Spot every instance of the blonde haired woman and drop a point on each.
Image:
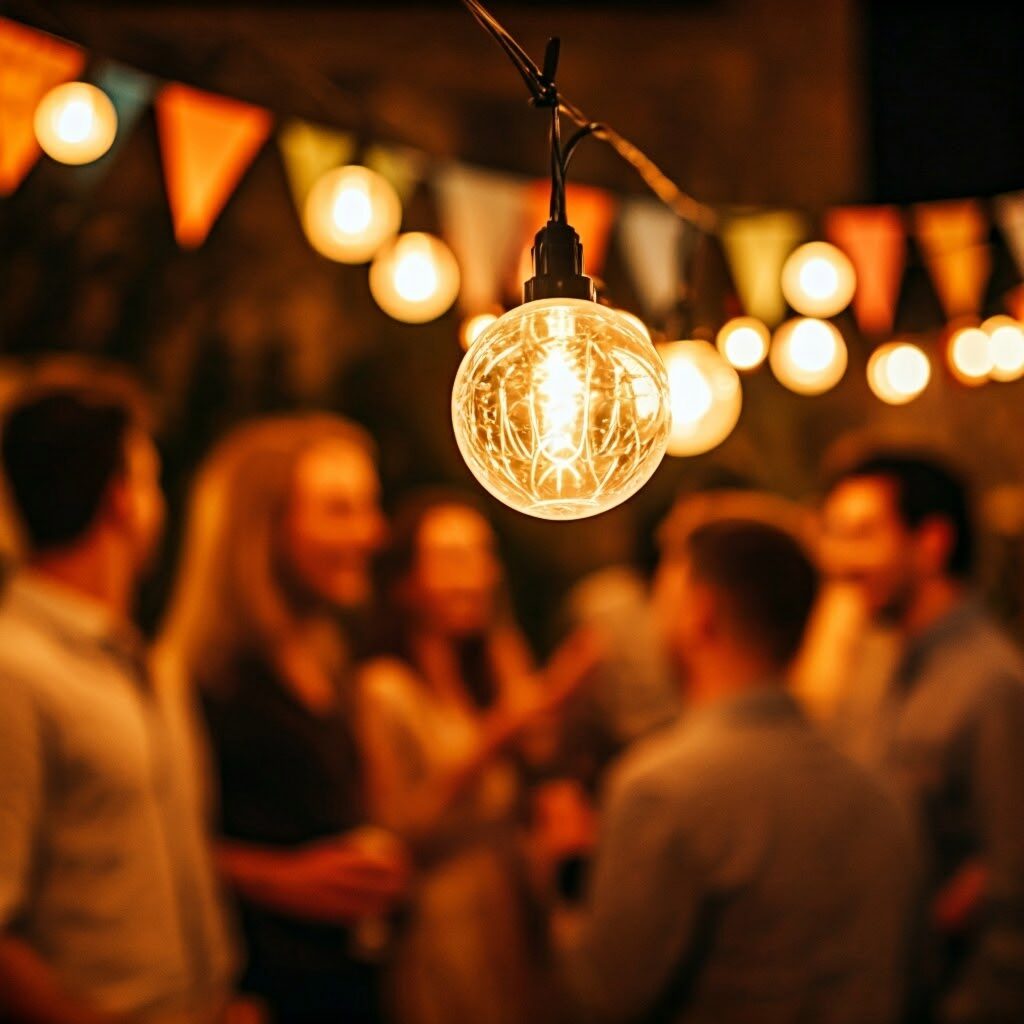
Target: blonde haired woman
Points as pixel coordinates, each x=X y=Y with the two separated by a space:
x=283 y=525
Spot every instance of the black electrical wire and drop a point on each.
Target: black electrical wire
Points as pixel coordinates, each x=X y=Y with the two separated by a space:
x=543 y=92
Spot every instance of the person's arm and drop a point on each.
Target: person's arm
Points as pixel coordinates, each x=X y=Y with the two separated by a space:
x=993 y=978
x=641 y=910
x=29 y=991
x=338 y=880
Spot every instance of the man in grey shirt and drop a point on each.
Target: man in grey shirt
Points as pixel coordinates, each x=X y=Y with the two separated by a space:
x=109 y=908
x=746 y=872
x=947 y=731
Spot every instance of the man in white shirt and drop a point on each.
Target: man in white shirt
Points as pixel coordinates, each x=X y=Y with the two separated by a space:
x=109 y=908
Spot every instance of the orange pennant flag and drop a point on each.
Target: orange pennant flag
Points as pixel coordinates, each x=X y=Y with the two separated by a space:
x=874 y=237
x=953 y=236
x=589 y=210
x=207 y=142
x=31 y=64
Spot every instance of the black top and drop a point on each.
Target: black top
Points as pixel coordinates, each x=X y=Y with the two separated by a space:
x=288 y=776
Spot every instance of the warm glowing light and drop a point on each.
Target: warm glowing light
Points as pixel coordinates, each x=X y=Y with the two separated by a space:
x=350 y=213
x=704 y=394
x=898 y=372
x=561 y=408
x=808 y=356
x=415 y=279
x=970 y=355
x=744 y=342
x=635 y=321
x=474 y=326
x=1006 y=347
x=818 y=280
x=75 y=123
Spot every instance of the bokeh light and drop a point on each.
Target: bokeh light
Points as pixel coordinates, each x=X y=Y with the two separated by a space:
x=818 y=280
x=898 y=372
x=970 y=355
x=473 y=327
x=1006 y=347
x=415 y=278
x=350 y=213
x=808 y=356
x=704 y=393
x=75 y=123
x=744 y=342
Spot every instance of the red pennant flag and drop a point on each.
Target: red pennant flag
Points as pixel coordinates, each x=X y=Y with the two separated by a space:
x=874 y=237
x=31 y=64
x=953 y=236
x=207 y=142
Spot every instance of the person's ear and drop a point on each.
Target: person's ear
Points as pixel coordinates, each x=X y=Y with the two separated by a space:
x=705 y=613
x=117 y=507
x=935 y=540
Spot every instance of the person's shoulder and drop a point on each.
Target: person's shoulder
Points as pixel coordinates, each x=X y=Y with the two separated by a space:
x=990 y=648
x=386 y=681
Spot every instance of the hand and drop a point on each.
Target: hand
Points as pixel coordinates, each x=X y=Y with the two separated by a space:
x=346 y=878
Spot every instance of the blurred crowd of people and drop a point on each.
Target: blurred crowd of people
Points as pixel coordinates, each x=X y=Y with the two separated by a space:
x=782 y=782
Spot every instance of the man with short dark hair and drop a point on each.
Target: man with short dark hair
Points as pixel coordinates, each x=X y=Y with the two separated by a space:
x=948 y=729
x=746 y=872
x=109 y=908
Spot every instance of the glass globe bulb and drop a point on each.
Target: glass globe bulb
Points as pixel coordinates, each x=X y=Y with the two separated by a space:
x=415 y=278
x=704 y=394
x=75 y=123
x=561 y=408
x=808 y=356
x=350 y=213
x=818 y=280
x=898 y=372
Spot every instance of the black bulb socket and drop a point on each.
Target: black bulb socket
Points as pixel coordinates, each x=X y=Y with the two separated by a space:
x=558 y=266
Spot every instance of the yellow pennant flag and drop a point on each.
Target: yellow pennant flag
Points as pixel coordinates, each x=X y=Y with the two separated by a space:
x=953 y=236
x=207 y=142
x=309 y=152
x=31 y=64
x=757 y=245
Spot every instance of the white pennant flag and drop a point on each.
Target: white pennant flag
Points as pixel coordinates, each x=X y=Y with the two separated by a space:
x=482 y=216
x=1009 y=211
x=650 y=238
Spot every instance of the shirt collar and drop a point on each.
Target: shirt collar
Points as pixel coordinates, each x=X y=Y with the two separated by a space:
x=962 y=616
x=75 y=616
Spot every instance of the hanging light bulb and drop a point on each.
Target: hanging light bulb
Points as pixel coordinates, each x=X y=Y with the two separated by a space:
x=1006 y=347
x=473 y=327
x=350 y=213
x=818 y=280
x=970 y=356
x=415 y=278
x=808 y=356
x=744 y=342
x=898 y=372
x=561 y=407
x=704 y=395
x=75 y=123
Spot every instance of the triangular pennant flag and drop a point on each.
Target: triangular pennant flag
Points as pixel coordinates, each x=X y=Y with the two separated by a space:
x=757 y=245
x=309 y=152
x=952 y=235
x=1014 y=301
x=130 y=91
x=874 y=237
x=207 y=142
x=1009 y=210
x=651 y=238
x=589 y=210
x=482 y=217
x=402 y=166
x=31 y=64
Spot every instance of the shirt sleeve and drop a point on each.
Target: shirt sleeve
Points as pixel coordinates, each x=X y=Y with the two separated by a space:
x=994 y=980
x=641 y=910
x=21 y=794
